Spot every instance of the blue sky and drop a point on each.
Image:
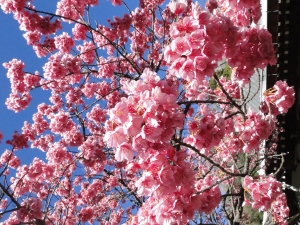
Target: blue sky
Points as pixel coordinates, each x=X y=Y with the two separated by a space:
x=13 y=45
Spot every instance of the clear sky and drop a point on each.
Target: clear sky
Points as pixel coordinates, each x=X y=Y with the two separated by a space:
x=13 y=45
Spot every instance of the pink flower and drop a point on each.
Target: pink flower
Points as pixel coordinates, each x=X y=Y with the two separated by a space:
x=178 y=6
x=170 y=55
x=282 y=96
x=124 y=151
x=86 y=214
x=87 y=52
x=119 y=113
x=126 y=100
x=64 y=42
x=31 y=208
x=9 y=158
x=115 y=138
x=61 y=123
x=17 y=102
x=116 y=2
x=58 y=154
x=151 y=133
x=196 y=39
x=180 y=46
x=280 y=210
x=133 y=126
x=18 y=141
x=211 y=5
x=285 y=96
x=263 y=191
x=79 y=31
x=187 y=71
x=200 y=63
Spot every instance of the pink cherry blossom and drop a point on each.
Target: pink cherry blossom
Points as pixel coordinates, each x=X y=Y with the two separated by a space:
x=281 y=96
x=180 y=46
x=18 y=141
x=280 y=210
x=125 y=151
x=177 y=6
x=263 y=191
x=10 y=158
x=115 y=138
x=116 y=2
x=64 y=42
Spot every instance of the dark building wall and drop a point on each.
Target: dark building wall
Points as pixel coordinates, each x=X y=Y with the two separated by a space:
x=284 y=24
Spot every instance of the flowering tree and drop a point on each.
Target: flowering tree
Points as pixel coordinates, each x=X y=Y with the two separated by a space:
x=133 y=132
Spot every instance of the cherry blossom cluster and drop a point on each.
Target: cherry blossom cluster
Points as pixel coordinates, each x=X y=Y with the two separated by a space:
x=266 y=193
x=243 y=136
x=254 y=130
x=10 y=158
x=21 y=84
x=64 y=42
x=242 y=13
x=281 y=96
x=35 y=26
x=149 y=115
x=18 y=141
x=231 y=87
x=263 y=191
x=74 y=9
x=206 y=132
x=145 y=132
x=280 y=210
x=256 y=44
x=165 y=203
x=178 y=6
x=38 y=28
x=201 y=39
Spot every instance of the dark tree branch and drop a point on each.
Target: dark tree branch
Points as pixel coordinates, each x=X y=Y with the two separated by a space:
x=210 y=160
